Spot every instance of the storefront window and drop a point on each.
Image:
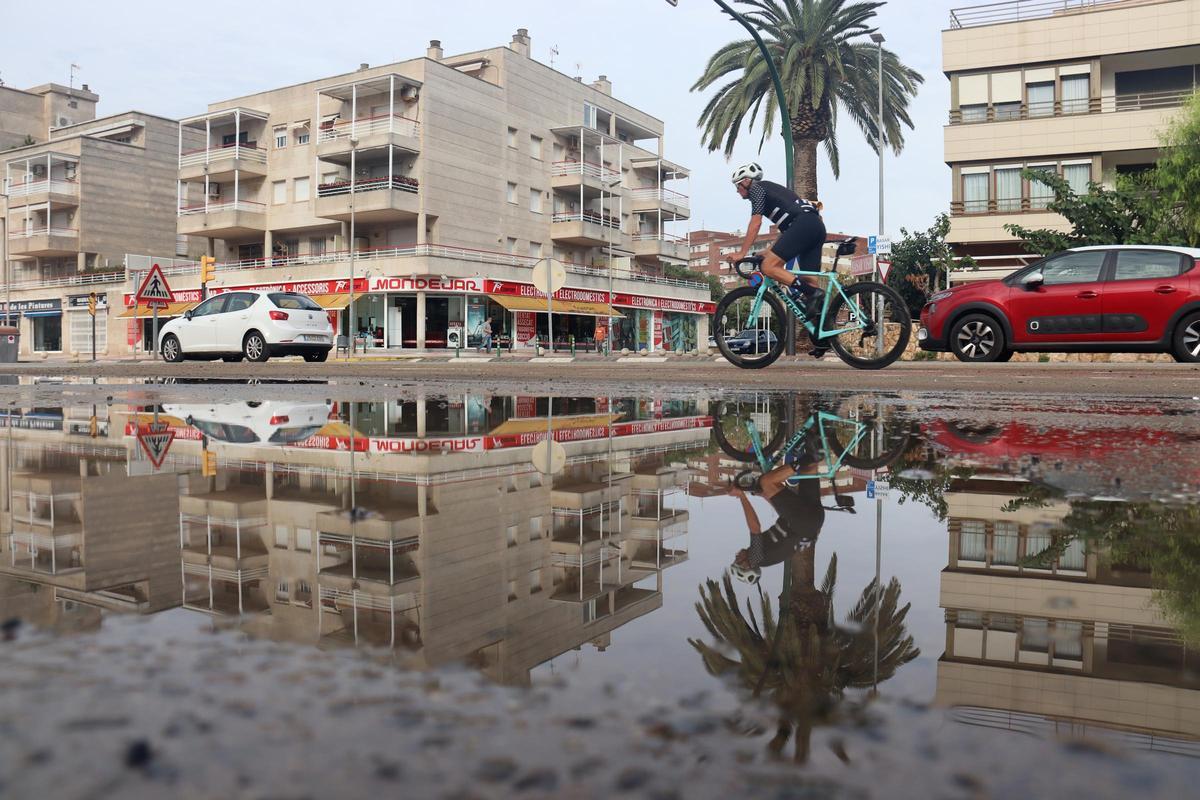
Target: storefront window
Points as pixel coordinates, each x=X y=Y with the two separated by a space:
x=47 y=334
x=679 y=332
x=633 y=331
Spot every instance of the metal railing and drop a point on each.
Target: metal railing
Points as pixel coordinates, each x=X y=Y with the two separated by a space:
x=1012 y=205
x=246 y=151
x=26 y=233
x=366 y=126
x=594 y=217
x=1105 y=104
x=63 y=186
x=93 y=279
x=1021 y=10
x=401 y=182
x=212 y=208
x=588 y=169
x=668 y=238
x=662 y=195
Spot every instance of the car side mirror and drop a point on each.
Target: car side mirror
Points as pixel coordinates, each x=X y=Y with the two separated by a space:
x=1033 y=280
x=187 y=314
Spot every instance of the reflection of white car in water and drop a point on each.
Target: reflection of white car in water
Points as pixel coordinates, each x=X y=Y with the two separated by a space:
x=254 y=423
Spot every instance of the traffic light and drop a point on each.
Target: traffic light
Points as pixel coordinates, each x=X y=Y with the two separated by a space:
x=208 y=464
x=208 y=268
x=92 y=304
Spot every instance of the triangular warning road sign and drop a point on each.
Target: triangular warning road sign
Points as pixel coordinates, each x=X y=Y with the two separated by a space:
x=155 y=441
x=884 y=266
x=154 y=288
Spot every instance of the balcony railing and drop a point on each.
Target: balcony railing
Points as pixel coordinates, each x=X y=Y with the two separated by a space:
x=1005 y=205
x=662 y=195
x=213 y=208
x=26 y=233
x=64 y=186
x=1106 y=104
x=1020 y=10
x=669 y=238
x=93 y=279
x=366 y=126
x=399 y=182
x=588 y=169
x=594 y=217
x=246 y=151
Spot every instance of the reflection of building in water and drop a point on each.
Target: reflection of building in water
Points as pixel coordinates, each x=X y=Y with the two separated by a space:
x=448 y=543
x=1068 y=644
x=76 y=528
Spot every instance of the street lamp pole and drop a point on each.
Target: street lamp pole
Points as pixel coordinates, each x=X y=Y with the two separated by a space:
x=350 y=320
x=4 y=259
x=878 y=39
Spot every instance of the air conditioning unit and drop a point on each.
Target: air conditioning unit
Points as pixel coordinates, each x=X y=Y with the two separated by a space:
x=214 y=190
x=39 y=169
x=63 y=122
x=408 y=94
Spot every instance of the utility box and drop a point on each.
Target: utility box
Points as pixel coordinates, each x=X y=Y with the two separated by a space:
x=10 y=343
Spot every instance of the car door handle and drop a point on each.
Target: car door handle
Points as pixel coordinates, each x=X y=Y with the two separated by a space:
x=1088 y=295
x=1164 y=289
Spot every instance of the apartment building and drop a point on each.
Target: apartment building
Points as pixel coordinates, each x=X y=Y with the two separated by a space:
x=1073 y=642
x=708 y=250
x=87 y=192
x=445 y=180
x=1080 y=88
x=29 y=116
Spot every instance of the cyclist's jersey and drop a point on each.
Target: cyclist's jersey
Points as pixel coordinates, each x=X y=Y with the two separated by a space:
x=800 y=519
x=777 y=203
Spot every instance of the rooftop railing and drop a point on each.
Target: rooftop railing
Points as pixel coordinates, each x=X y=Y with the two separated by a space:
x=1021 y=10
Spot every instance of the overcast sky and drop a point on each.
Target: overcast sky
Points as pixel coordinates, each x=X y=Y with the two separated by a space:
x=173 y=59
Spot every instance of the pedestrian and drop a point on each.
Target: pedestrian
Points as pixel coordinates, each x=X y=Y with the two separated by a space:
x=486 y=343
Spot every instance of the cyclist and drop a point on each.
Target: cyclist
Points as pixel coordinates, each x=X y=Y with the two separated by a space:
x=801 y=237
x=801 y=516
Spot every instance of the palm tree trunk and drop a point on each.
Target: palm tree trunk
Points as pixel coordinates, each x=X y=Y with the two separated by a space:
x=804 y=168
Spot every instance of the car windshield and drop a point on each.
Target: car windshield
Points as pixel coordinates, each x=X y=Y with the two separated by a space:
x=294 y=302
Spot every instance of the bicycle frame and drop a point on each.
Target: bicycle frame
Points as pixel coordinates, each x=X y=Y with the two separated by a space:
x=819 y=419
x=818 y=330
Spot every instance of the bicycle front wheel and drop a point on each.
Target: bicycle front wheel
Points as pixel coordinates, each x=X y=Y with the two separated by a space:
x=747 y=343
x=874 y=322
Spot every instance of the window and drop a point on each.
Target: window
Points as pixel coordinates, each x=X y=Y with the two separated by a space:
x=535 y=580
x=1040 y=194
x=590 y=117
x=1075 y=91
x=972 y=544
x=281 y=536
x=303 y=539
x=303 y=593
x=1008 y=189
x=1040 y=98
x=511 y=536
x=279 y=192
x=975 y=112
x=1073 y=557
x=535 y=147
x=281 y=591
x=1078 y=176
x=1133 y=265
x=512 y=138
x=1073 y=268
x=535 y=529
x=316 y=245
x=300 y=190
x=301 y=132
x=280 y=138
x=512 y=591
x=239 y=301
x=535 y=200
x=511 y=193
x=1005 y=111
x=975 y=193
x=1004 y=544
x=535 y=249
x=213 y=305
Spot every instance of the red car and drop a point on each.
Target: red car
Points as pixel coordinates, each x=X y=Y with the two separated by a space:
x=1109 y=299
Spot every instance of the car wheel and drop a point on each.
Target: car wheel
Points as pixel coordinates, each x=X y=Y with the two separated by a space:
x=1186 y=342
x=316 y=356
x=977 y=338
x=254 y=347
x=172 y=352
x=232 y=359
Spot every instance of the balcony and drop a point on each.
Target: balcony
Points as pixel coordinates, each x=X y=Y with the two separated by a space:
x=56 y=192
x=593 y=177
x=46 y=553
x=220 y=162
x=372 y=133
x=223 y=219
x=1022 y=10
x=385 y=199
x=587 y=229
x=1105 y=104
x=30 y=242
x=660 y=245
x=671 y=203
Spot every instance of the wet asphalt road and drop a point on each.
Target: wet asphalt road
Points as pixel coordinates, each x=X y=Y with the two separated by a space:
x=675 y=375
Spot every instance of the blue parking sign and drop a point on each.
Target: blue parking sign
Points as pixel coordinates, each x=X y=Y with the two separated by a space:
x=870 y=490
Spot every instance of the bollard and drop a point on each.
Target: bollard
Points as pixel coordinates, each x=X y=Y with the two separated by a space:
x=572 y=345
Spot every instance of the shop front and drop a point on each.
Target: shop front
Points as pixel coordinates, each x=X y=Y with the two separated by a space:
x=654 y=324
x=579 y=317
x=40 y=321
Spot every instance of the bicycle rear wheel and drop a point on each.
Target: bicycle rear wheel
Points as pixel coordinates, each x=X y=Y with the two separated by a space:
x=750 y=345
x=872 y=312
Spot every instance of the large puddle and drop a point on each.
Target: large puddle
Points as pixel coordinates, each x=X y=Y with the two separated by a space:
x=1019 y=584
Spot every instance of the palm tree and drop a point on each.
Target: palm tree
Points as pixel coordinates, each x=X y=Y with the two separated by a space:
x=802 y=658
x=826 y=64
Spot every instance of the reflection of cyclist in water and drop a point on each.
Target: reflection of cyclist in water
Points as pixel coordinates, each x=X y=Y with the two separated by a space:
x=801 y=516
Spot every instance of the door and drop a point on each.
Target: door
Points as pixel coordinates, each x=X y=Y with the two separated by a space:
x=198 y=334
x=1146 y=287
x=395 y=327
x=1067 y=307
x=233 y=321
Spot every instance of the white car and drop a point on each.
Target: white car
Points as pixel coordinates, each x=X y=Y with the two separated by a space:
x=249 y=324
x=252 y=422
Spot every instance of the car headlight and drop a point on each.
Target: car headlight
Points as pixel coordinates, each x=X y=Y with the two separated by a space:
x=939 y=296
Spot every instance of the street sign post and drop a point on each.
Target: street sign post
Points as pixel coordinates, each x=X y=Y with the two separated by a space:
x=155 y=439
x=156 y=293
x=548 y=277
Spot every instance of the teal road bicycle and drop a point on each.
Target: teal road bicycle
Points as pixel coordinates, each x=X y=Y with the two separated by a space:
x=866 y=323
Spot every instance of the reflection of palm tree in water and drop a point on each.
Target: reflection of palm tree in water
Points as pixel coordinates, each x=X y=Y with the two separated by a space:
x=802 y=658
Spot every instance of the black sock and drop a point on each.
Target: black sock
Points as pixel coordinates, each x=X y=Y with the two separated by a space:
x=806 y=290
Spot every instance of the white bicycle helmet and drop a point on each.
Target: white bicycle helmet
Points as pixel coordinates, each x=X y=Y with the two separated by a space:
x=752 y=171
x=748 y=575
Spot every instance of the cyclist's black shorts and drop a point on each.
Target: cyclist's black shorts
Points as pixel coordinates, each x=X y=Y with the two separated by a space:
x=803 y=241
x=799 y=507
